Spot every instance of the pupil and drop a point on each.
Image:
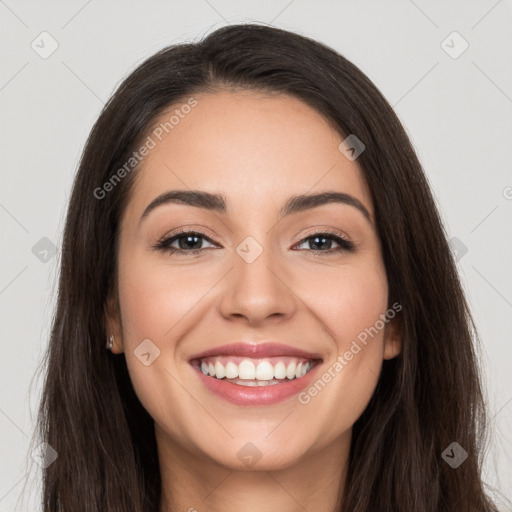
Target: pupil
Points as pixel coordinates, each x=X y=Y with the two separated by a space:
x=319 y=238
x=187 y=245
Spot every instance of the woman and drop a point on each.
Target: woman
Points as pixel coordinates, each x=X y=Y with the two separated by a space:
x=251 y=234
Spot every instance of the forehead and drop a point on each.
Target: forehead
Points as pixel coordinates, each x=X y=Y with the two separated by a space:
x=255 y=149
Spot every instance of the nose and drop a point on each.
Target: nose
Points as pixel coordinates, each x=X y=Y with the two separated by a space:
x=258 y=291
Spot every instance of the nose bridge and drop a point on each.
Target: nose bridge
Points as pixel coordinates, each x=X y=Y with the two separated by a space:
x=256 y=289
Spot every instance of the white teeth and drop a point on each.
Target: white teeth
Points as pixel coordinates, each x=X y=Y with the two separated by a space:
x=220 y=371
x=246 y=370
x=267 y=382
x=290 y=371
x=262 y=373
x=280 y=370
x=254 y=383
x=250 y=383
x=231 y=370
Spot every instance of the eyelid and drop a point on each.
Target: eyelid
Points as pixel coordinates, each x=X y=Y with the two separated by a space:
x=185 y=231
x=319 y=230
x=345 y=244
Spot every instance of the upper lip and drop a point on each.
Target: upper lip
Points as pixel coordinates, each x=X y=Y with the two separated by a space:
x=256 y=351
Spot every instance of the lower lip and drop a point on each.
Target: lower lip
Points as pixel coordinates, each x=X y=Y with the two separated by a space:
x=261 y=395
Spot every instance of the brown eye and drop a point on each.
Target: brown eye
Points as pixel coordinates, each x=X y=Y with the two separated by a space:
x=188 y=242
x=316 y=241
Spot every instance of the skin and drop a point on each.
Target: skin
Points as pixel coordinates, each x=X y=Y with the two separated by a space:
x=257 y=150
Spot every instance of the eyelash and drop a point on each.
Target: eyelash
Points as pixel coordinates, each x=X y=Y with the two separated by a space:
x=164 y=243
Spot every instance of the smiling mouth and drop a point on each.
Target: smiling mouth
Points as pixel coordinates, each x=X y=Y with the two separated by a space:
x=250 y=372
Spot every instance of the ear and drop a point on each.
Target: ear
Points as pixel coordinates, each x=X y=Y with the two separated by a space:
x=393 y=335
x=113 y=323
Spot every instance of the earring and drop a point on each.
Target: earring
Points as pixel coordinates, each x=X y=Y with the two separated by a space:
x=110 y=343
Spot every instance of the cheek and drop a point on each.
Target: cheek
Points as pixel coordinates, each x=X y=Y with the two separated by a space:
x=351 y=305
x=155 y=298
x=160 y=303
x=348 y=303
x=155 y=302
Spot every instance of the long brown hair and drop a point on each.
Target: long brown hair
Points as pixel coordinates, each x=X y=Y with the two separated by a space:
x=427 y=398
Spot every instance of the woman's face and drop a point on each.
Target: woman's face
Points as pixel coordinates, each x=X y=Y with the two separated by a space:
x=264 y=272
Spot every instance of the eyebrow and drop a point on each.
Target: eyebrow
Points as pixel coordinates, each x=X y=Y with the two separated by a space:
x=217 y=202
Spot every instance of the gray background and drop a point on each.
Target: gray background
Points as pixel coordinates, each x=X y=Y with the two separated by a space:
x=456 y=108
